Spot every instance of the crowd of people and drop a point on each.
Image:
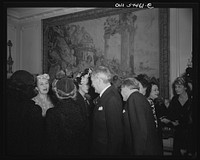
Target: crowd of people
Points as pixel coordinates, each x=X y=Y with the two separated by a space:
x=96 y=114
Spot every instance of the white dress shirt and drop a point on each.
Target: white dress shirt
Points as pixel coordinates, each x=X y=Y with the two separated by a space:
x=104 y=90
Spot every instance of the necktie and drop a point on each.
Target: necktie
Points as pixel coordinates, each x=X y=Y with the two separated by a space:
x=96 y=100
x=86 y=107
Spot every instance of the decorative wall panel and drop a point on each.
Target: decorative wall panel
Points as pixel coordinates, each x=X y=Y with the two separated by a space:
x=129 y=41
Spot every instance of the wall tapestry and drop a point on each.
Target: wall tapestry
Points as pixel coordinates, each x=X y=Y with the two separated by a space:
x=129 y=41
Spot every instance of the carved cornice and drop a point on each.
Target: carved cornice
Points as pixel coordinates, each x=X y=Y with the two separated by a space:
x=44 y=15
x=85 y=15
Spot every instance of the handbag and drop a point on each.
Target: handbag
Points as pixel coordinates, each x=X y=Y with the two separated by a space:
x=167 y=132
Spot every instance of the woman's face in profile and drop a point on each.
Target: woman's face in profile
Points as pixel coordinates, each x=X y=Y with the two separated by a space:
x=84 y=88
x=84 y=79
x=154 y=92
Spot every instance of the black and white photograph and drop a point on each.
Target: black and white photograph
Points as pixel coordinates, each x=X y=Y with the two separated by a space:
x=94 y=80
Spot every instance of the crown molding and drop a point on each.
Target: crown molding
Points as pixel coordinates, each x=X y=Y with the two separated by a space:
x=38 y=16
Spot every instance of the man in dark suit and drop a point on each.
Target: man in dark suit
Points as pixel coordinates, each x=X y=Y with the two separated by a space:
x=107 y=115
x=140 y=131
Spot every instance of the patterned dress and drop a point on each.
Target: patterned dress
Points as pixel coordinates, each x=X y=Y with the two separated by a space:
x=154 y=112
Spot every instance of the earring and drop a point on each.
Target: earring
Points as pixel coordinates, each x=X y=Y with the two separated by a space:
x=36 y=89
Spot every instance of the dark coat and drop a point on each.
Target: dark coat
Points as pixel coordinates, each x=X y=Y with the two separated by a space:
x=35 y=128
x=182 y=135
x=24 y=124
x=85 y=106
x=107 y=124
x=160 y=111
x=140 y=131
x=64 y=129
x=85 y=113
x=15 y=131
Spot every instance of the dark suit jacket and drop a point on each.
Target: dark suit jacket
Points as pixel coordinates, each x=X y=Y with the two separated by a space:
x=141 y=135
x=107 y=124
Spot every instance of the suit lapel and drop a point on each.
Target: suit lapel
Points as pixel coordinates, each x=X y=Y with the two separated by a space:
x=104 y=95
x=100 y=100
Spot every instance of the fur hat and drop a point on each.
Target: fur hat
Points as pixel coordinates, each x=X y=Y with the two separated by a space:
x=64 y=88
x=23 y=82
x=22 y=77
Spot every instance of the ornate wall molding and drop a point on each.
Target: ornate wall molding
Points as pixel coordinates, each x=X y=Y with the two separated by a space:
x=38 y=16
x=85 y=15
x=164 y=52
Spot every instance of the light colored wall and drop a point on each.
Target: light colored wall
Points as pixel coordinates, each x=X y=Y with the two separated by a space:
x=27 y=43
x=31 y=57
x=180 y=41
x=12 y=34
x=26 y=49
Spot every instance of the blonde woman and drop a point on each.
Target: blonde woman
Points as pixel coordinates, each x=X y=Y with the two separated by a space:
x=180 y=116
x=42 y=99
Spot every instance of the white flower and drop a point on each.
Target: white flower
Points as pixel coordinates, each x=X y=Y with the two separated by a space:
x=100 y=108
